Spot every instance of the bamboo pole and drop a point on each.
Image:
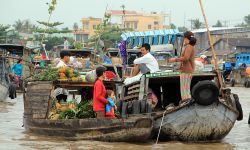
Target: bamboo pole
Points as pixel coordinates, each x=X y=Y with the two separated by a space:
x=221 y=84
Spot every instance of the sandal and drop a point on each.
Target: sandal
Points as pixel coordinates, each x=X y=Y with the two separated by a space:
x=185 y=102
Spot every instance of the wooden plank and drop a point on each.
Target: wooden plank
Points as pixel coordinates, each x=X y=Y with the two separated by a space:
x=39 y=87
x=133 y=91
x=134 y=86
x=131 y=96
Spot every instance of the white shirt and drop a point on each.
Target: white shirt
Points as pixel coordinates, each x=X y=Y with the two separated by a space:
x=149 y=61
x=61 y=64
x=65 y=44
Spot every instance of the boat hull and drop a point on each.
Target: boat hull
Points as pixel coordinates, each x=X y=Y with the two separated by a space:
x=115 y=130
x=4 y=92
x=197 y=123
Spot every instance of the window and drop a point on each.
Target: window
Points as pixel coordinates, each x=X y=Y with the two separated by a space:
x=149 y=26
x=156 y=23
x=94 y=26
x=135 y=25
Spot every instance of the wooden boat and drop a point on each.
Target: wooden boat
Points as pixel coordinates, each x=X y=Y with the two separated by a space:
x=5 y=51
x=37 y=104
x=207 y=117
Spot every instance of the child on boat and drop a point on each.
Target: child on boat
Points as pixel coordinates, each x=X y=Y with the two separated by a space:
x=110 y=113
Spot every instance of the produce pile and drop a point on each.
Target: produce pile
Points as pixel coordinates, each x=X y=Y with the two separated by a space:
x=61 y=74
x=71 y=110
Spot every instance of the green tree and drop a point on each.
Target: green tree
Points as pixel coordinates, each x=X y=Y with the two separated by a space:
x=218 y=24
x=196 y=24
x=53 y=41
x=172 y=26
x=243 y=25
x=109 y=34
x=247 y=20
x=50 y=25
x=182 y=29
x=3 y=33
x=75 y=26
x=18 y=26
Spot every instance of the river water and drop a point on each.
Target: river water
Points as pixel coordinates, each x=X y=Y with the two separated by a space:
x=13 y=135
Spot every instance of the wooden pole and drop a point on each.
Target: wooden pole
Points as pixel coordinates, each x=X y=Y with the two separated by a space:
x=221 y=84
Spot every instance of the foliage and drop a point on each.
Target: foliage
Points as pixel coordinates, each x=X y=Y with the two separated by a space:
x=25 y=26
x=218 y=24
x=48 y=74
x=75 y=26
x=51 y=25
x=241 y=25
x=107 y=33
x=247 y=20
x=85 y=110
x=68 y=114
x=52 y=41
x=78 y=45
x=3 y=32
x=196 y=24
x=182 y=29
x=172 y=26
x=52 y=6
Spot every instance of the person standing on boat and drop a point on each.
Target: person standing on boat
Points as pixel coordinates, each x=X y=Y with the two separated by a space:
x=147 y=63
x=99 y=100
x=65 y=43
x=187 y=66
x=18 y=72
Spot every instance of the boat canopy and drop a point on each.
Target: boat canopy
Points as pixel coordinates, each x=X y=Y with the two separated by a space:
x=154 y=37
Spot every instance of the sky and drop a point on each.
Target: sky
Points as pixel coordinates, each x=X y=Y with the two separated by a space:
x=70 y=11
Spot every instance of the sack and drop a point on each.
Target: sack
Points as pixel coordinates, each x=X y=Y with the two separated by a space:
x=91 y=76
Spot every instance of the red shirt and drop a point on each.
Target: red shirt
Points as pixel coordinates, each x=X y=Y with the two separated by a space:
x=99 y=100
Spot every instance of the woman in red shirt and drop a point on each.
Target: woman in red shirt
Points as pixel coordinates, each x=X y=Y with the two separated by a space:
x=99 y=99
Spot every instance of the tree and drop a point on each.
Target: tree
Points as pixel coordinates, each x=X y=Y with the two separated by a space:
x=18 y=26
x=247 y=20
x=75 y=26
x=218 y=24
x=3 y=33
x=196 y=24
x=50 y=25
x=172 y=26
x=182 y=29
x=241 y=25
x=53 y=41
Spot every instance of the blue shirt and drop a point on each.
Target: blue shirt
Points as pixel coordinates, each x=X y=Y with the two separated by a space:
x=18 y=69
x=110 y=105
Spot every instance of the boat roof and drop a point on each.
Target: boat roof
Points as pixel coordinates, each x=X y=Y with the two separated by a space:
x=166 y=32
x=13 y=48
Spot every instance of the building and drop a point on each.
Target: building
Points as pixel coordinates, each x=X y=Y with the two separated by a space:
x=88 y=28
x=217 y=33
x=225 y=46
x=138 y=21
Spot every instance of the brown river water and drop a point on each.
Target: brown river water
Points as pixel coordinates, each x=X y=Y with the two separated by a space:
x=13 y=135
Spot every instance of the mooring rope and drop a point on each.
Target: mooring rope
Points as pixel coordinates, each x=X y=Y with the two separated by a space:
x=160 y=127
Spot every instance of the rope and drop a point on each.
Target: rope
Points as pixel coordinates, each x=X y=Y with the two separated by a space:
x=160 y=127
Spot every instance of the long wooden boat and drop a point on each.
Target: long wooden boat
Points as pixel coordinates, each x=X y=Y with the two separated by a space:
x=5 y=51
x=37 y=104
x=207 y=117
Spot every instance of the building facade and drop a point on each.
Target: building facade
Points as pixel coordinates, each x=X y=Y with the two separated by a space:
x=217 y=34
x=138 y=21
